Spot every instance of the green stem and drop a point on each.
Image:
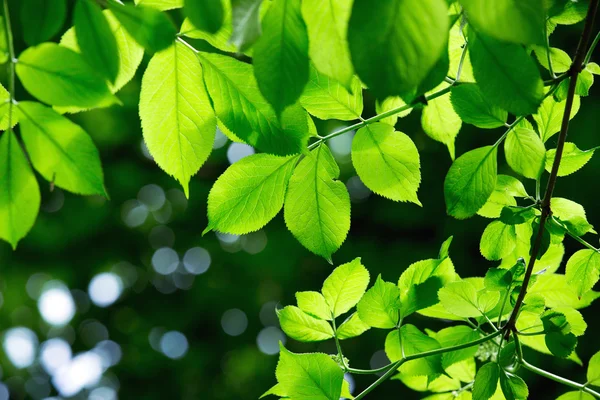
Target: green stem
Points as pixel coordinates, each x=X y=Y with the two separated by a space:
x=337 y=344
x=559 y=379
x=579 y=239
x=394 y=366
x=588 y=56
x=378 y=117
x=11 y=63
x=508 y=129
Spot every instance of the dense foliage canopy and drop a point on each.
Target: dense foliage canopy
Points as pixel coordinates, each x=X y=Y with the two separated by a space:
x=274 y=77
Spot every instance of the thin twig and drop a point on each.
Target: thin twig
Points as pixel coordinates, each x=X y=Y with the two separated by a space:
x=11 y=63
x=576 y=68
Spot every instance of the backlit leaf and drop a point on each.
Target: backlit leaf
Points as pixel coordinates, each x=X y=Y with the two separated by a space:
x=380 y=306
x=525 y=152
x=177 y=119
x=387 y=162
x=317 y=206
x=345 y=286
x=473 y=107
x=249 y=193
x=303 y=327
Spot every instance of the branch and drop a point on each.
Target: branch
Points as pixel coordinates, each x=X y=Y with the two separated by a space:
x=576 y=68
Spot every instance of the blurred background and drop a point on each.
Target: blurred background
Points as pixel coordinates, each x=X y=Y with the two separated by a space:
x=124 y=298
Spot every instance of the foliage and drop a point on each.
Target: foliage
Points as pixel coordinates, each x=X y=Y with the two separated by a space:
x=265 y=70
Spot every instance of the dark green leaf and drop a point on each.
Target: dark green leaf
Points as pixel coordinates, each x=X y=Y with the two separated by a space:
x=474 y=108
x=280 y=56
x=506 y=75
x=513 y=387
x=148 y=26
x=206 y=15
x=379 y=34
x=96 y=40
x=486 y=381
x=517 y=215
x=42 y=19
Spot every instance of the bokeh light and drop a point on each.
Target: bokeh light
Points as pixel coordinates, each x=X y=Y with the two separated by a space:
x=56 y=304
x=105 y=289
x=234 y=322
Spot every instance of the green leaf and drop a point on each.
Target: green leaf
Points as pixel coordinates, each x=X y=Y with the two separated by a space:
x=303 y=327
x=380 y=306
x=561 y=345
x=421 y=295
x=239 y=104
x=555 y=290
x=206 y=15
x=561 y=62
x=60 y=77
x=313 y=303
x=574 y=318
x=498 y=241
x=511 y=186
x=95 y=38
x=19 y=191
x=219 y=39
x=572 y=215
x=317 y=206
x=245 y=18
x=312 y=376
x=130 y=52
x=276 y=390
x=454 y=336
x=486 y=381
x=326 y=98
x=4 y=52
x=584 y=83
x=161 y=4
x=593 y=370
x=517 y=215
x=573 y=159
x=440 y=122
x=513 y=387
x=61 y=151
x=414 y=342
x=497 y=279
x=280 y=56
x=346 y=390
x=474 y=108
x=390 y=103
x=249 y=193
x=42 y=19
x=352 y=327
x=345 y=286
x=420 y=272
x=506 y=75
x=509 y=20
x=177 y=120
x=549 y=116
x=387 y=162
x=583 y=270
x=4 y=110
x=494 y=205
x=327 y=24
x=578 y=395
x=525 y=152
x=379 y=34
x=462 y=299
x=470 y=181
x=149 y=27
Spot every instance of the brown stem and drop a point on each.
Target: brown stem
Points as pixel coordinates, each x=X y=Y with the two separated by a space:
x=576 y=67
